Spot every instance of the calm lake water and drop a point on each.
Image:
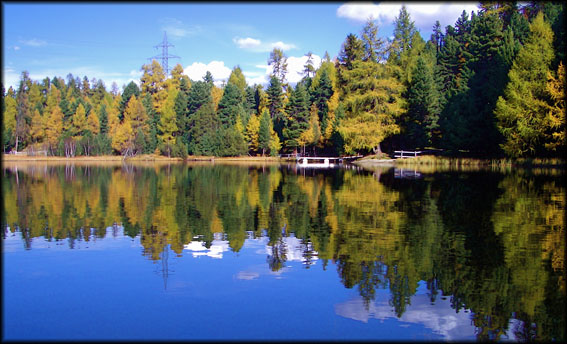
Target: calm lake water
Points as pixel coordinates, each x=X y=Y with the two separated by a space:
x=211 y=251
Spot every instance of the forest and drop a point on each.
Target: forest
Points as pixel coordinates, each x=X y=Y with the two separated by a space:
x=492 y=85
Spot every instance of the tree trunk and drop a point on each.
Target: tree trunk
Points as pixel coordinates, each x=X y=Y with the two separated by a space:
x=378 y=150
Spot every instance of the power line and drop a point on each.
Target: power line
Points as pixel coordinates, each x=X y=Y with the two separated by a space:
x=164 y=54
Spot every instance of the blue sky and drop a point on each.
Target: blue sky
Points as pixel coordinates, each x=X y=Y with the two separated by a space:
x=112 y=41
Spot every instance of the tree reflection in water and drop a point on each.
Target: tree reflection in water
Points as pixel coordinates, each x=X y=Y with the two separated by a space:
x=490 y=243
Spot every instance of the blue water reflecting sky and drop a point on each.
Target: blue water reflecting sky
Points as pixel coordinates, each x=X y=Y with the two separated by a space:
x=104 y=289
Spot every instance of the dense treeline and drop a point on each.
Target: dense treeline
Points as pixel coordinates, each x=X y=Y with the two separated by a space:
x=492 y=84
x=493 y=243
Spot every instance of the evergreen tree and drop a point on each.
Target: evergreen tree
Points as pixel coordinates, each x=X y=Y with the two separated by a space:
x=250 y=103
x=264 y=132
x=322 y=90
x=522 y=111
x=230 y=105
x=182 y=113
x=208 y=79
x=298 y=117
x=204 y=131
x=352 y=50
x=275 y=105
x=153 y=121
x=23 y=112
x=404 y=29
x=131 y=90
x=199 y=94
x=423 y=107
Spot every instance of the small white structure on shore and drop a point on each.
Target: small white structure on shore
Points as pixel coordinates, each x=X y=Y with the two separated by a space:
x=318 y=162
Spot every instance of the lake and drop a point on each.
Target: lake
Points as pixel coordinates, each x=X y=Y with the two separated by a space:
x=211 y=251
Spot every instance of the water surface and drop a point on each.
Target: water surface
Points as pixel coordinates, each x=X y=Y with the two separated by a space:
x=210 y=251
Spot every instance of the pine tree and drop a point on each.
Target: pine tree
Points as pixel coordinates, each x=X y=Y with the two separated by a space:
x=131 y=90
x=321 y=92
x=264 y=132
x=522 y=111
x=298 y=117
x=103 y=119
x=230 y=105
x=275 y=105
x=423 y=107
x=204 y=131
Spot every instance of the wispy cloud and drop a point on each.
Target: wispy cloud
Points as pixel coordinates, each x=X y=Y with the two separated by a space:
x=34 y=42
x=16 y=48
x=177 y=29
x=247 y=43
x=257 y=45
x=423 y=13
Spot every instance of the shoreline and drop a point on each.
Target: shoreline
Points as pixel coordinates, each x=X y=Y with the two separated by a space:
x=141 y=158
x=427 y=161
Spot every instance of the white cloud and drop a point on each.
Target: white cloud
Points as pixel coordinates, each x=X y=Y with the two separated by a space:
x=10 y=78
x=257 y=45
x=34 y=42
x=295 y=67
x=247 y=275
x=247 y=43
x=252 y=78
x=423 y=13
x=16 y=48
x=136 y=73
x=283 y=46
x=440 y=317
x=197 y=71
x=216 y=249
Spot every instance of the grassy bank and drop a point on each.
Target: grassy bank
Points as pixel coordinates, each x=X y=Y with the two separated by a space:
x=430 y=163
x=137 y=158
